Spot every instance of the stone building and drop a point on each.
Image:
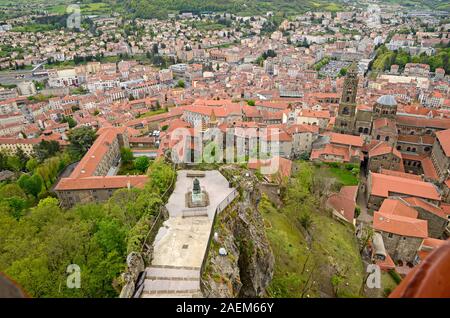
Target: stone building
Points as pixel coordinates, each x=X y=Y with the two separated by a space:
x=346 y=117
x=440 y=154
x=385 y=129
x=402 y=236
x=381 y=186
x=436 y=218
x=385 y=107
x=384 y=156
x=93 y=178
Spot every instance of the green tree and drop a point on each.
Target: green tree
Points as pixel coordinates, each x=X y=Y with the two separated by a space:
x=23 y=157
x=14 y=163
x=161 y=175
x=31 y=165
x=142 y=163
x=31 y=185
x=126 y=155
x=46 y=149
x=181 y=84
x=81 y=139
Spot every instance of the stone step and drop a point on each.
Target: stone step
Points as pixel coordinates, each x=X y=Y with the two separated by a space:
x=177 y=295
x=175 y=267
x=172 y=273
x=166 y=286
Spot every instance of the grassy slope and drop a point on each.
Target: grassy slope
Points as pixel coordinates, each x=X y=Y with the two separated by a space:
x=333 y=245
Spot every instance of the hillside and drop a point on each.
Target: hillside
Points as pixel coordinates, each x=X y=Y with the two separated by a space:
x=315 y=255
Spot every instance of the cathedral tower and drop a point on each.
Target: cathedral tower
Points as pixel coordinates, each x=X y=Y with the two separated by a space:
x=345 y=120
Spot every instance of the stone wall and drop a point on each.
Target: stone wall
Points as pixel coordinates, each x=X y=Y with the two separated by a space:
x=436 y=224
x=401 y=247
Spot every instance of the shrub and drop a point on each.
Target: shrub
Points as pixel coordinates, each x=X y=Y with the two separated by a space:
x=395 y=276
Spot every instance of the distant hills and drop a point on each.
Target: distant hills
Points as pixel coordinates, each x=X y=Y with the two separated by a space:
x=161 y=8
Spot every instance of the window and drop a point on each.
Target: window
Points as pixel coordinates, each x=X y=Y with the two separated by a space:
x=345 y=111
x=386 y=138
x=399 y=147
x=378 y=137
x=390 y=235
x=360 y=129
x=408 y=149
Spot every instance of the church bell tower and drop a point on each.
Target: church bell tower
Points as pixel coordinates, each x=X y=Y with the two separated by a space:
x=345 y=120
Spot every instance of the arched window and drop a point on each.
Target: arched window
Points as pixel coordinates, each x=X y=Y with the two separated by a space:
x=366 y=130
x=345 y=111
x=360 y=129
x=408 y=149
x=412 y=132
x=386 y=138
x=378 y=137
x=399 y=147
x=426 y=149
x=413 y=149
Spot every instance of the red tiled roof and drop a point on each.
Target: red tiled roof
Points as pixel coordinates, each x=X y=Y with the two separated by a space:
x=383 y=148
x=444 y=139
x=383 y=185
x=285 y=165
x=441 y=123
x=397 y=207
x=344 y=202
x=400 y=174
x=426 y=206
x=336 y=150
x=428 y=245
x=400 y=225
x=344 y=139
x=101 y=182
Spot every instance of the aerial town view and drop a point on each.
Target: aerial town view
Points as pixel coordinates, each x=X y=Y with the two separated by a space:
x=225 y=149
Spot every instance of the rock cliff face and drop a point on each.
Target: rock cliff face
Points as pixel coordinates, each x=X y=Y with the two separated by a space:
x=247 y=269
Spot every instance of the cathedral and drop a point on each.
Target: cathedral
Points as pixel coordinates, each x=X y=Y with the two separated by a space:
x=346 y=117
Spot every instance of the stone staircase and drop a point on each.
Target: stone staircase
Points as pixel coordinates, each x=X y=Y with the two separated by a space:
x=164 y=281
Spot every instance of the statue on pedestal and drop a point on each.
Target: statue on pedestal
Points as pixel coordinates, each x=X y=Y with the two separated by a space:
x=196 y=191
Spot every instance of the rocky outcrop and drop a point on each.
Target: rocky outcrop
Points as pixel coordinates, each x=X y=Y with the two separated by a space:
x=247 y=268
x=135 y=266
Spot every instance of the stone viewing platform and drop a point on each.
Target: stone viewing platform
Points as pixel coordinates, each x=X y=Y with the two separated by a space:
x=181 y=242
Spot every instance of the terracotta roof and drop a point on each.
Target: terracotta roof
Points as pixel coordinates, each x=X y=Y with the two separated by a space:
x=344 y=202
x=344 y=139
x=397 y=207
x=383 y=185
x=336 y=150
x=441 y=123
x=428 y=245
x=426 y=206
x=284 y=165
x=400 y=174
x=101 y=182
x=428 y=168
x=400 y=225
x=384 y=122
x=88 y=164
x=383 y=148
x=444 y=139
x=416 y=139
